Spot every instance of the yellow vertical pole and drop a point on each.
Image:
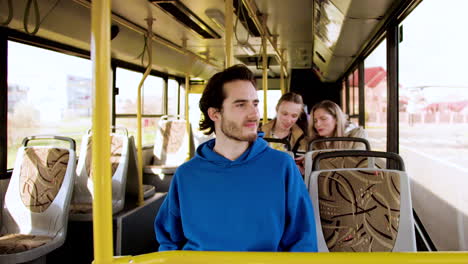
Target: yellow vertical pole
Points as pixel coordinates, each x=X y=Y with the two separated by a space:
x=228 y=13
x=102 y=202
x=187 y=117
x=264 y=79
x=282 y=86
x=149 y=46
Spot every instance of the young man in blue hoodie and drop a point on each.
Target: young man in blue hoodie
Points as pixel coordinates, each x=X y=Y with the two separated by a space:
x=236 y=194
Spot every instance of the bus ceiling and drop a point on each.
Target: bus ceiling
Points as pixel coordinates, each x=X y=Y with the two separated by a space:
x=346 y=31
x=327 y=36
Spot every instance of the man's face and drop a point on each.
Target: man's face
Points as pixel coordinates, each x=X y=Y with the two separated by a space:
x=239 y=116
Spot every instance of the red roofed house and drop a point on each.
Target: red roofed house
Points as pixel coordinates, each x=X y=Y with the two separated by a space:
x=375 y=90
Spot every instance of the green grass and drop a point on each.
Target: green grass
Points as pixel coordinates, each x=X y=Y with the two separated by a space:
x=74 y=128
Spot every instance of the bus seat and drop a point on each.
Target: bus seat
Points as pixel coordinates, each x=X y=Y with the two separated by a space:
x=310 y=156
x=360 y=207
x=308 y=160
x=346 y=143
x=35 y=210
x=132 y=188
x=280 y=144
x=170 y=150
x=81 y=207
x=198 y=136
x=350 y=143
x=171 y=143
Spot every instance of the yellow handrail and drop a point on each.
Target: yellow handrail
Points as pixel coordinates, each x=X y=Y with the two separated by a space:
x=265 y=80
x=187 y=117
x=228 y=11
x=260 y=23
x=282 y=86
x=102 y=202
x=139 y=141
x=199 y=257
x=166 y=43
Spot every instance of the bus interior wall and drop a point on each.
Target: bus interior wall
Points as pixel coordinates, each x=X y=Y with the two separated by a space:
x=306 y=83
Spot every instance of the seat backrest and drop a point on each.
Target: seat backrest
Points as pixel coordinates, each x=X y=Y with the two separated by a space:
x=309 y=159
x=133 y=184
x=171 y=144
x=38 y=196
x=119 y=166
x=362 y=208
x=349 y=143
x=345 y=143
x=280 y=144
x=198 y=136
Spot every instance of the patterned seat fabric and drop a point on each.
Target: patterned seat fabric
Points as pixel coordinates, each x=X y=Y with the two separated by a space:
x=359 y=209
x=15 y=243
x=171 y=143
x=35 y=211
x=349 y=162
x=116 y=153
x=42 y=174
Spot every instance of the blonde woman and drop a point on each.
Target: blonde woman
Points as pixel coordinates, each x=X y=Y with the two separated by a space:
x=328 y=120
x=286 y=124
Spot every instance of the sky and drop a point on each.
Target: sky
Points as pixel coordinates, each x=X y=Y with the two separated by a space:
x=434 y=48
x=45 y=73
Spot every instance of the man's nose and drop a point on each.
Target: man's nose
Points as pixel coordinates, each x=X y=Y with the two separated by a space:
x=253 y=112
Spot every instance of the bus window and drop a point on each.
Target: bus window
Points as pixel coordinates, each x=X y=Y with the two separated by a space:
x=344 y=99
x=272 y=96
x=181 y=110
x=152 y=95
x=127 y=82
x=172 y=95
x=195 y=116
x=126 y=103
x=433 y=97
x=375 y=94
x=354 y=96
x=48 y=93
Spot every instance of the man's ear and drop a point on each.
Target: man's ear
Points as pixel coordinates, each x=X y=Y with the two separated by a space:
x=214 y=114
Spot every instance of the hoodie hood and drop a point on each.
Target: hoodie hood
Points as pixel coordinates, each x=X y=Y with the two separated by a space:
x=205 y=152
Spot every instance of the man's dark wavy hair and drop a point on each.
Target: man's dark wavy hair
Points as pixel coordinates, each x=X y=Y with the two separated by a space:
x=214 y=95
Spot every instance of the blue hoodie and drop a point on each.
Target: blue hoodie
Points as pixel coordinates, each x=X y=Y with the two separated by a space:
x=257 y=202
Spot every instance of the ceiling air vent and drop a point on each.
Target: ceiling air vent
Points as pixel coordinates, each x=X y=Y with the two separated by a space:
x=244 y=18
x=257 y=60
x=181 y=13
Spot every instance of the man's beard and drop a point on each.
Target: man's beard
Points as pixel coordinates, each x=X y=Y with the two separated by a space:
x=233 y=131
